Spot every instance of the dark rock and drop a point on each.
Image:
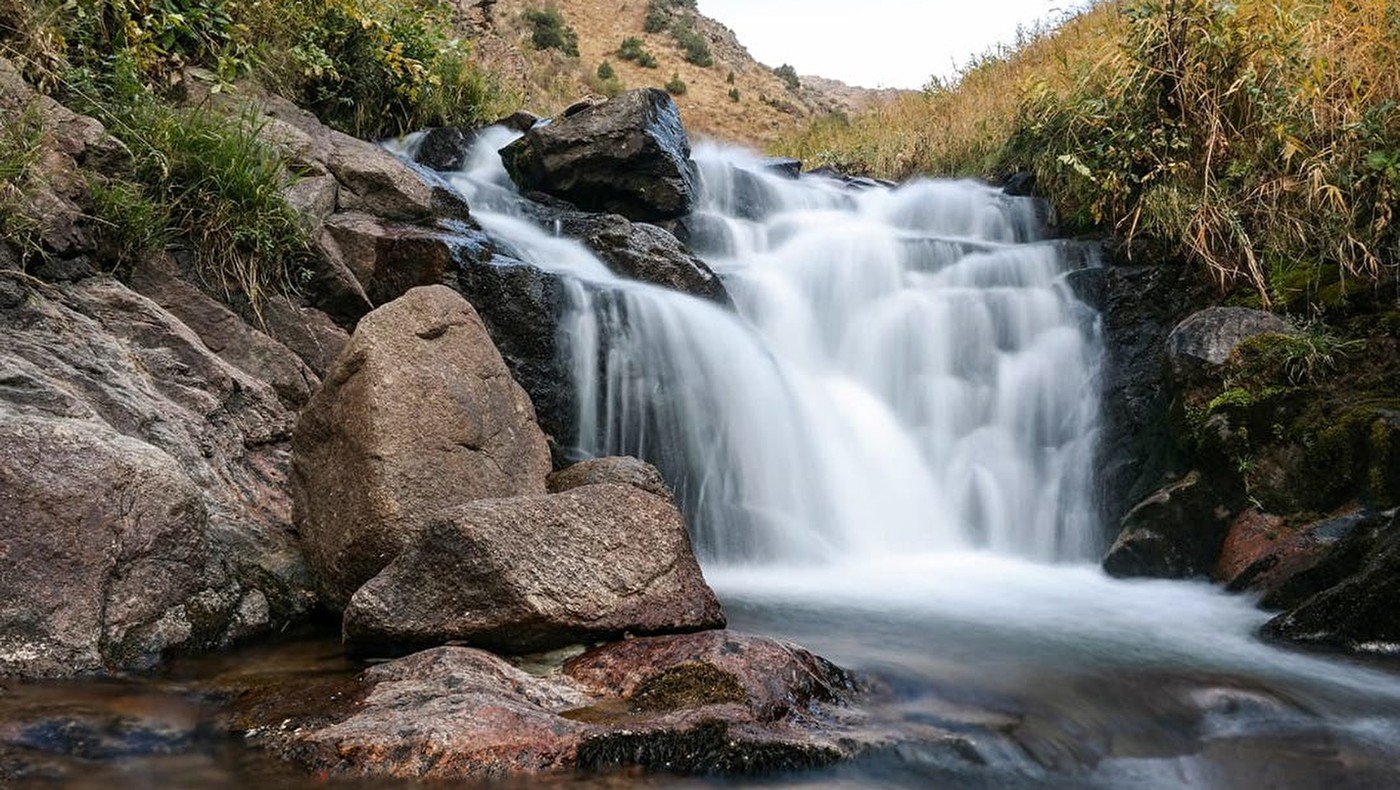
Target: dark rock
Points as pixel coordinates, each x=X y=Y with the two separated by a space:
x=1020 y=185
x=521 y=305
x=388 y=259
x=629 y=155
x=520 y=121
x=1202 y=343
x=1265 y=556
x=144 y=487
x=1175 y=533
x=419 y=414
x=529 y=574
x=783 y=166
x=713 y=703
x=1360 y=593
x=444 y=148
x=645 y=252
x=620 y=471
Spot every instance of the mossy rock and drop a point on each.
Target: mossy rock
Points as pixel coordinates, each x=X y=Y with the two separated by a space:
x=692 y=684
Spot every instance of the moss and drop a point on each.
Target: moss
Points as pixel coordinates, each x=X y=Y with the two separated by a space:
x=689 y=685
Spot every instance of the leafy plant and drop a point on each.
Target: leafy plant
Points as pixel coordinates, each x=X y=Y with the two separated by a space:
x=676 y=86
x=21 y=138
x=632 y=49
x=694 y=47
x=788 y=75
x=550 y=31
x=734 y=94
x=606 y=71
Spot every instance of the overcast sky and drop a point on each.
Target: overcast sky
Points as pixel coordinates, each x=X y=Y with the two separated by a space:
x=876 y=43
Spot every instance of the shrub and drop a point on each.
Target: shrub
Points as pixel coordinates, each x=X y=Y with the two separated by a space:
x=730 y=78
x=633 y=50
x=605 y=71
x=676 y=86
x=694 y=46
x=550 y=31
x=606 y=81
x=788 y=75
x=130 y=223
x=734 y=94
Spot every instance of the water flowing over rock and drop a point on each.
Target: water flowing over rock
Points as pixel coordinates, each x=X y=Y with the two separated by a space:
x=418 y=415
x=529 y=574
x=629 y=156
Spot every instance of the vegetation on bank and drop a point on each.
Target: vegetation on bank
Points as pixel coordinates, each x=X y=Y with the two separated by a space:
x=368 y=67
x=1258 y=140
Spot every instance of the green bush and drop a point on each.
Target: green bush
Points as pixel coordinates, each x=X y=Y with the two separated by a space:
x=550 y=31
x=606 y=81
x=606 y=71
x=130 y=223
x=734 y=94
x=788 y=75
x=632 y=49
x=676 y=86
x=694 y=46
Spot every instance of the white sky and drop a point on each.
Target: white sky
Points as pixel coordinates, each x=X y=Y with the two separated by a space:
x=876 y=43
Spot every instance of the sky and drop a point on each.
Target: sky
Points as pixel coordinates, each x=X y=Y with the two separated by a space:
x=876 y=43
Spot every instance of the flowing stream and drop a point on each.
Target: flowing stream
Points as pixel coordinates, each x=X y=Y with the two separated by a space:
x=886 y=452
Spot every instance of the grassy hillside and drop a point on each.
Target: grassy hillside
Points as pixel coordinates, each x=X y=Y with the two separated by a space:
x=727 y=94
x=1259 y=140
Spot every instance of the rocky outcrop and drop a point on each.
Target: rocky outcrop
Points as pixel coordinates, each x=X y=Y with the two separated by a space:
x=616 y=471
x=1358 y=593
x=537 y=573
x=710 y=703
x=1203 y=342
x=627 y=156
x=418 y=415
x=1175 y=533
x=639 y=251
x=144 y=485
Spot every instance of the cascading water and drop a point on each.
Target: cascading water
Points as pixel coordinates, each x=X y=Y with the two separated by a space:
x=906 y=369
x=885 y=452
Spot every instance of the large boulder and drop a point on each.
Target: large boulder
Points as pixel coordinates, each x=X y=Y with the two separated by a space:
x=144 y=485
x=639 y=251
x=536 y=573
x=710 y=703
x=620 y=470
x=418 y=415
x=1357 y=594
x=1202 y=343
x=627 y=156
x=1175 y=533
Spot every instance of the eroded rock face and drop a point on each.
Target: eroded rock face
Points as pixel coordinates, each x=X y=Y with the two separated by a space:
x=536 y=573
x=627 y=156
x=418 y=415
x=1175 y=533
x=1206 y=339
x=717 y=702
x=144 y=486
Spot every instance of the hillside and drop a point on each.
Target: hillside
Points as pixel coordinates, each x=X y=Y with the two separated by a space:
x=753 y=106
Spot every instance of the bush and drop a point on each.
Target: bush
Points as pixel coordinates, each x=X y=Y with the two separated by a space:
x=788 y=75
x=605 y=71
x=734 y=94
x=633 y=50
x=130 y=223
x=550 y=31
x=694 y=46
x=676 y=86
x=606 y=81
x=730 y=78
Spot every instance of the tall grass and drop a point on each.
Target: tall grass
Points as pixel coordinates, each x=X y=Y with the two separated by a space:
x=1259 y=140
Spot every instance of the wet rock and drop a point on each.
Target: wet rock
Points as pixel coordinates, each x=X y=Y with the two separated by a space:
x=1359 y=583
x=619 y=471
x=144 y=487
x=1203 y=342
x=537 y=573
x=419 y=414
x=444 y=148
x=645 y=252
x=387 y=259
x=629 y=156
x=711 y=703
x=1020 y=184
x=521 y=305
x=1264 y=555
x=1175 y=533
x=783 y=166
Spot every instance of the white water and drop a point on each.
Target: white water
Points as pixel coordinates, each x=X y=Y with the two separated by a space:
x=886 y=451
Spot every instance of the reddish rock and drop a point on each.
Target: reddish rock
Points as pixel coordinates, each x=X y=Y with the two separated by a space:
x=1251 y=536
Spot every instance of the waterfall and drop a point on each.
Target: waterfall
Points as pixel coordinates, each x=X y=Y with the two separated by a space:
x=905 y=371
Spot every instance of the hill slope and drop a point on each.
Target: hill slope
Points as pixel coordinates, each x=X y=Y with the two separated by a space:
x=753 y=106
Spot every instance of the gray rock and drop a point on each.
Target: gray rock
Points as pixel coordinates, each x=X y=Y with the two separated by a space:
x=419 y=414
x=622 y=470
x=1175 y=533
x=1205 y=340
x=629 y=156
x=529 y=574
x=645 y=252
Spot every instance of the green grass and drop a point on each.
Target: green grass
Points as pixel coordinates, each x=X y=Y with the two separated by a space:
x=21 y=140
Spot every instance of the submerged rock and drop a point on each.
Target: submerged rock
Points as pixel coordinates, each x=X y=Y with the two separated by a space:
x=537 y=573
x=711 y=703
x=629 y=156
x=1175 y=533
x=418 y=415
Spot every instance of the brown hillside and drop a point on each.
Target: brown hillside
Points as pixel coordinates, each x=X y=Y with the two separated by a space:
x=548 y=80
